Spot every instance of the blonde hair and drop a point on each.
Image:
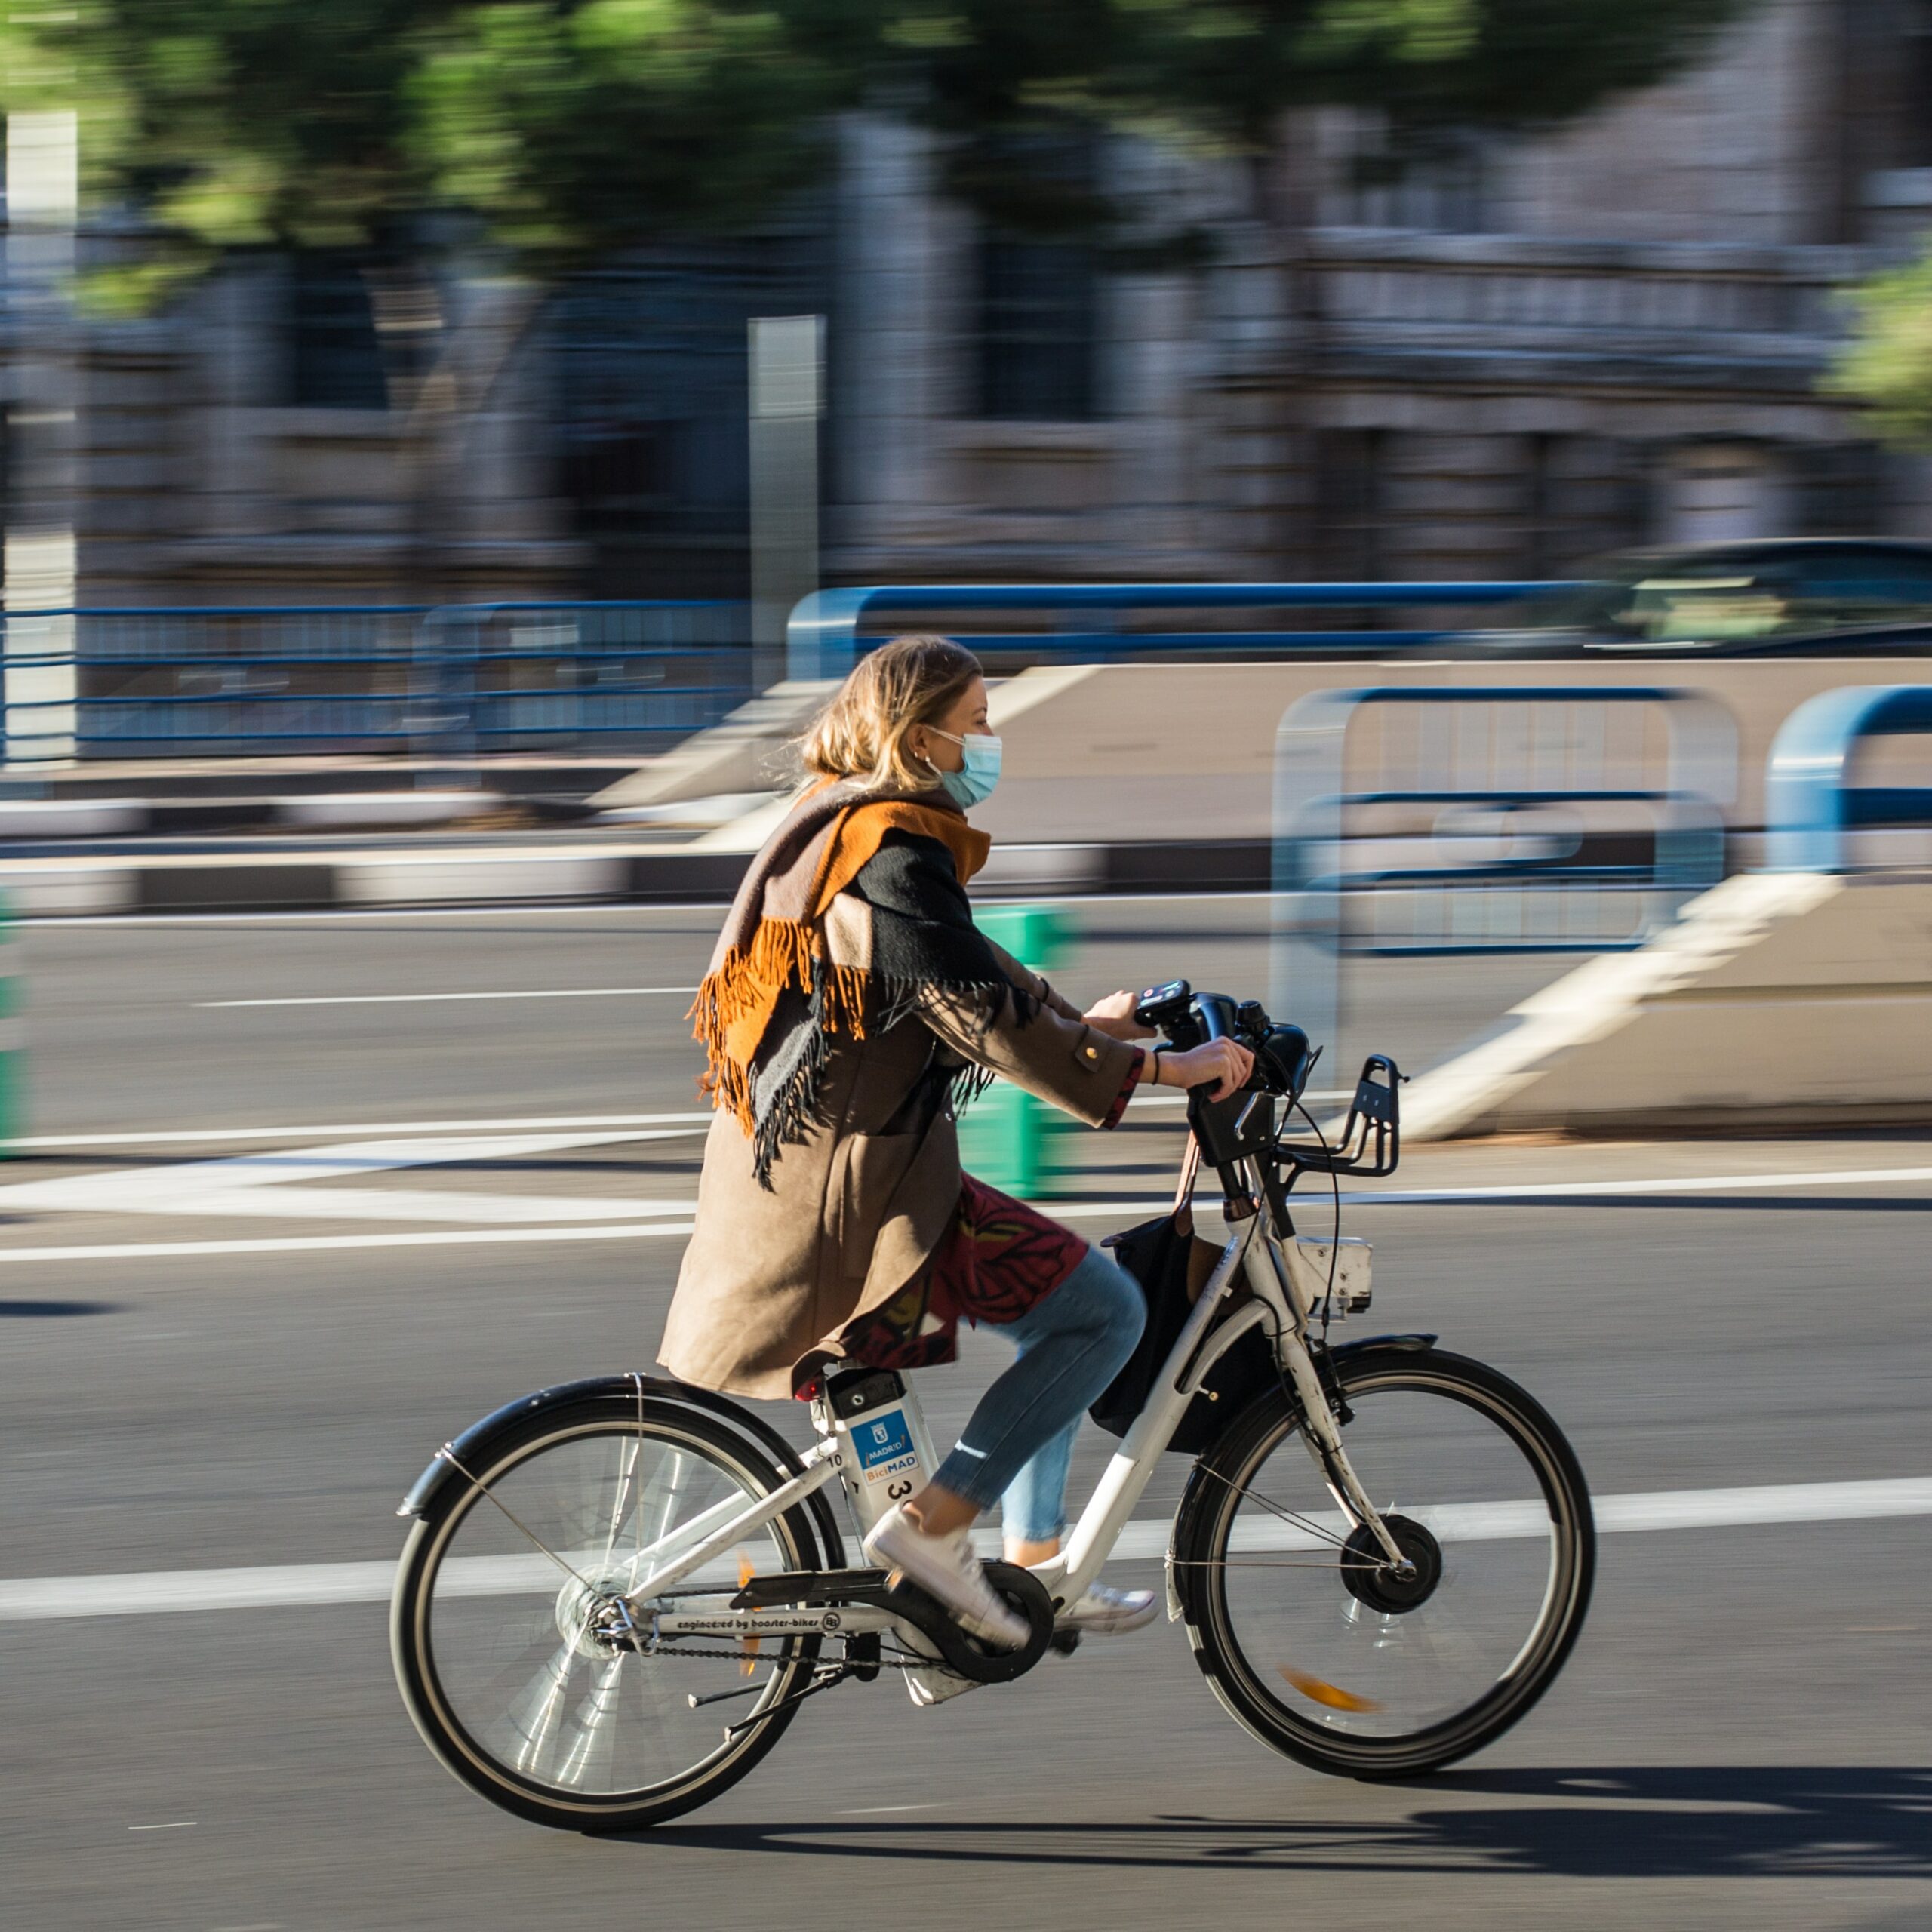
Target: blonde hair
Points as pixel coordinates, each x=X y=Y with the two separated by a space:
x=861 y=733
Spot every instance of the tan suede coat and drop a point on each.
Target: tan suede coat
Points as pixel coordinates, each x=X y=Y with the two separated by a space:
x=771 y=1278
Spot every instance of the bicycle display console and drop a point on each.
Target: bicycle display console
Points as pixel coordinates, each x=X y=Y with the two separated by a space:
x=1246 y=1125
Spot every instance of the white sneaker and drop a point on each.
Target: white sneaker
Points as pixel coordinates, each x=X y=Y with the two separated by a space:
x=1105 y=1611
x=934 y=1684
x=945 y=1567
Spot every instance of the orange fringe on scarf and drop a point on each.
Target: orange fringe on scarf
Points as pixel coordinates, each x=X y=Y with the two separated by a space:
x=735 y=1004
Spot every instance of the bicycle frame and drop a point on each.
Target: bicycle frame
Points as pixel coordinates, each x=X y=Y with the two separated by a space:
x=1284 y=1295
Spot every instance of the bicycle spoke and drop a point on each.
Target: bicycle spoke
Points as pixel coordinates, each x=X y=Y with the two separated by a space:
x=534 y=1718
x=1447 y=1633
x=629 y=1455
x=522 y=1672
x=530 y=1536
x=594 y=1720
x=1293 y=1518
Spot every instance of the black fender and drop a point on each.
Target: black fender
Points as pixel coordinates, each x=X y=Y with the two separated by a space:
x=625 y=1389
x=1417 y=1343
x=1412 y=1345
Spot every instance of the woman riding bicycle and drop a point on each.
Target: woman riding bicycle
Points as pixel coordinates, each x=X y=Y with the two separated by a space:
x=850 y=1000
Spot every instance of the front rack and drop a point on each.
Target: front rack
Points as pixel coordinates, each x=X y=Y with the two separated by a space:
x=1371 y=1142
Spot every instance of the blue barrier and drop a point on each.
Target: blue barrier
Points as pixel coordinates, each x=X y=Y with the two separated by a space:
x=224 y=679
x=822 y=639
x=1532 y=788
x=1809 y=807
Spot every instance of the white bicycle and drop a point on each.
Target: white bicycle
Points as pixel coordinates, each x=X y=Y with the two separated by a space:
x=1383 y=1559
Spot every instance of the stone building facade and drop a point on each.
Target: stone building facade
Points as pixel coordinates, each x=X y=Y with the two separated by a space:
x=1537 y=350
x=1530 y=353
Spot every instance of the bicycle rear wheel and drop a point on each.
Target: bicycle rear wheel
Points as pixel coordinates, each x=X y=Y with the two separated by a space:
x=1306 y=1633
x=491 y=1624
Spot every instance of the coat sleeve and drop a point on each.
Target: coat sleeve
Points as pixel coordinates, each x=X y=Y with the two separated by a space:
x=1053 y=1054
x=1039 y=1040
x=1029 y=981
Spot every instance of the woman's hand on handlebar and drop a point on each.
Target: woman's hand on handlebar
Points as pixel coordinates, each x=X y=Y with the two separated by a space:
x=1113 y=1015
x=1227 y=1063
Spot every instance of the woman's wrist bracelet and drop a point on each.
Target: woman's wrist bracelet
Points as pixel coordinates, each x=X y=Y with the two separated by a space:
x=1157 y=1067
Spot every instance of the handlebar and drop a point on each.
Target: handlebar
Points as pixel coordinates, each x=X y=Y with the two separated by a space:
x=1245 y=1123
x=1283 y=1059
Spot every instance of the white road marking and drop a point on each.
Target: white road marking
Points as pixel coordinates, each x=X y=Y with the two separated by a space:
x=267 y=1184
x=1669 y=1184
x=710 y=908
x=168 y=1136
x=418 y=999
x=371 y=1204
x=241 y=1186
x=31 y=1599
x=166 y=1251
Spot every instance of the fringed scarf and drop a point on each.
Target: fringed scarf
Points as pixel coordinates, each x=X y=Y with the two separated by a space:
x=773 y=999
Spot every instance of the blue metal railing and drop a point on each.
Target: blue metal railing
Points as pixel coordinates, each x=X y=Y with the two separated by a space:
x=1493 y=812
x=459 y=679
x=450 y=680
x=823 y=636
x=1809 y=804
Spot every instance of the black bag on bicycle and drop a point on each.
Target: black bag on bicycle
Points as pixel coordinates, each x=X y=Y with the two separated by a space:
x=1172 y=1265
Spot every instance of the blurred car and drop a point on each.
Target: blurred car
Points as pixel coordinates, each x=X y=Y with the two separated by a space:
x=1850 y=597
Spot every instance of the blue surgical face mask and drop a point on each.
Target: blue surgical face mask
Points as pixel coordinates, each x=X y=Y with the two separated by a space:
x=973 y=783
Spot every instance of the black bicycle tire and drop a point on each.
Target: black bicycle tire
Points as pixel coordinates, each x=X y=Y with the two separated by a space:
x=1207 y=1507
x=413 y=1655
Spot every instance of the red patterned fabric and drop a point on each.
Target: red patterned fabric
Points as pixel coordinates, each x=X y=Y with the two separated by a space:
x=1126 y=1094
x=1000 y=1259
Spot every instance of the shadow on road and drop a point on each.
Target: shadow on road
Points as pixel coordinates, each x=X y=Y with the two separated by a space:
x=42 y=1310
x=1695 y=1822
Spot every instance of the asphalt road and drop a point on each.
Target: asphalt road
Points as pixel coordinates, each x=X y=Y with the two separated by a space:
x=224 y=1351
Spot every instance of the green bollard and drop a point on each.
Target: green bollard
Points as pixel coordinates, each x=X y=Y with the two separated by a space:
x=1004 y=1134
x=12 y=1087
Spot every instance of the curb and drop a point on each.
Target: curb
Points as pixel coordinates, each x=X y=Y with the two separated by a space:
x=323 y=881
x=364 y=811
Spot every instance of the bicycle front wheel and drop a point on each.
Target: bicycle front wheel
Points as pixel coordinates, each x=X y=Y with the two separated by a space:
x=1310 y=1637
x=493 y=1622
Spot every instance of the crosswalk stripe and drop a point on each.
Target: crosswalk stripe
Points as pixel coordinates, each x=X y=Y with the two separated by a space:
x=193 y=1136
x=430 y=999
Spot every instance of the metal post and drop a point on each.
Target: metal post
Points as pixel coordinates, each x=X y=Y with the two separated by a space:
x=1003 y=1133
x=13 y=1044
x=787 y=400
x=42 y=720
x=1313 y=881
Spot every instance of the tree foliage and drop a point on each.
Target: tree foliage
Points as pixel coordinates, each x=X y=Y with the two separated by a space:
x=557 y=128
x=560 y=128
x=1887 y=365
x=1218 y=75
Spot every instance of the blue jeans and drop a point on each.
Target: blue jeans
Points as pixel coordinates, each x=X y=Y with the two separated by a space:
x=1016 y=1447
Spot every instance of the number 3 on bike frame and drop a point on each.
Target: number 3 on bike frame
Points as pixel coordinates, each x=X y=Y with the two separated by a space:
x=1382 y=1561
